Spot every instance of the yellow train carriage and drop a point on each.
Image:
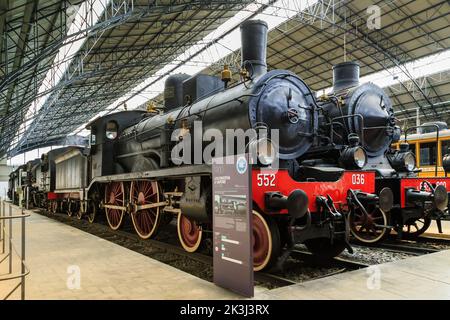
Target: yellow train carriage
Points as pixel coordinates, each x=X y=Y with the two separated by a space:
x=429 y=151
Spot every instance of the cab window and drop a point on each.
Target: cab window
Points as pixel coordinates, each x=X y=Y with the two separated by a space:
x=111 y=130
x=93 y=139
x=428 y=154
x=445 y=147
x=412 y=148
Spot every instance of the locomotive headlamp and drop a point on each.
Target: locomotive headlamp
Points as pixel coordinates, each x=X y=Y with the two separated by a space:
x=264 y=150
x=353 y=157
x=404 y=161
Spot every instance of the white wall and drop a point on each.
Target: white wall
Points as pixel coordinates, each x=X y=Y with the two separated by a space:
x=3 y=189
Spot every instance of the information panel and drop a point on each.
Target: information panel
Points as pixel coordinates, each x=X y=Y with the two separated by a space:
x=232 y=224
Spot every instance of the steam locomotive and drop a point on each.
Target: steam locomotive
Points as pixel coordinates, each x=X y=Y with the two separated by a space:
x=336 y=171
x=130 y=168
x=354 y=114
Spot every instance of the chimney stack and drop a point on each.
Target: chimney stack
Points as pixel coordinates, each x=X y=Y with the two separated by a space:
x=254 y=46
x=345 y=75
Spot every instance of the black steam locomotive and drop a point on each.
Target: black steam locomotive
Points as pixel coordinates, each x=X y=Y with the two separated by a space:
x=145 y=180
x=354 y=114
x=335 y=167
x=130 y=167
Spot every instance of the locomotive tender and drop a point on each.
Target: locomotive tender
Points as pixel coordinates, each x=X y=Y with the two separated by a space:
x=129 y=168
x=354 y=113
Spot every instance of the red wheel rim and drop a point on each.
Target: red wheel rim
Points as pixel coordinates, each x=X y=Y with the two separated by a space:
x=416 y=227
x=364 y=227
x=145 y=222
x=114 y=195
x=262 y=242
x=189 y=233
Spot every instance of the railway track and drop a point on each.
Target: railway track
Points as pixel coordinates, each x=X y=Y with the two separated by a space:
x=434 y=240
x=401 y=247
x=339 y=262
x=264 y=277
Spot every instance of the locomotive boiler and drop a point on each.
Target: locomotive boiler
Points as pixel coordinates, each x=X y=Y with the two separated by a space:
x=277 y=99
x=361 y=115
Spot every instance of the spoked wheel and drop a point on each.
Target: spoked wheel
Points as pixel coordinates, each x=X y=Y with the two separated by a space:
x=53 y=206
x=80 y=212
x=413 y=229
x=91 y=211
x=365 y=228
x=115 y=195
x=266 y=242
x=62 y=205
x=189 y=233
x=323 y=249
x=72 y=208
x=145 y=221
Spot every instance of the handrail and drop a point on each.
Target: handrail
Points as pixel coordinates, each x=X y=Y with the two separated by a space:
x=16 y=276
x=15 y=217
x=9 y=255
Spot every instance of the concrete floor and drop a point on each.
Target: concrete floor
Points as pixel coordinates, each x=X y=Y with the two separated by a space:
x=433 y=230
x=423 y=277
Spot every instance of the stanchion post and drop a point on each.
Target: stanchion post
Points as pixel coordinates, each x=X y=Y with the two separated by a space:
x=28 y=197
x=2 y=226
x=10 y=239
x=1 y=215
x=2 y=208
x=22 y=258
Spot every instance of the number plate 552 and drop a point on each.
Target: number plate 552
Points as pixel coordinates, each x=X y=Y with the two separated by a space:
x=265 y=180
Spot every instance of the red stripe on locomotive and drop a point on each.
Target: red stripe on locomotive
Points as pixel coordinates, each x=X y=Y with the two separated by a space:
x=52 y=196
x=272 y=180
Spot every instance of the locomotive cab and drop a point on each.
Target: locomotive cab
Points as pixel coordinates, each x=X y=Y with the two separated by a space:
x=103 y=138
